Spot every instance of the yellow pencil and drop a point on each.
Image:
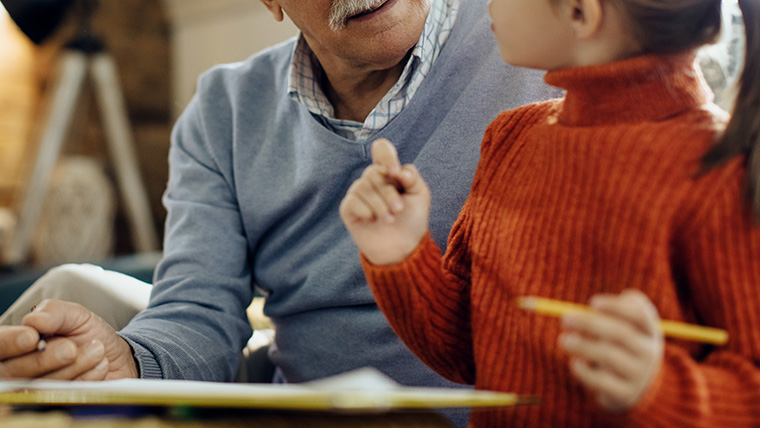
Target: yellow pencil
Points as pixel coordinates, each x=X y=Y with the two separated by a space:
x=675 y=329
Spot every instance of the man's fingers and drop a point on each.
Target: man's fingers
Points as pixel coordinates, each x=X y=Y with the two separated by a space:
x=98 y=373
x=58 y=354
x=90 y=364
x=80 y=345
x=56 y=317
x=384 y=154
x=17 y=340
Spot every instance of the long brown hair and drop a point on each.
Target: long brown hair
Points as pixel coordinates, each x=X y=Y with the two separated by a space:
x=742 y=135
x=671 y=26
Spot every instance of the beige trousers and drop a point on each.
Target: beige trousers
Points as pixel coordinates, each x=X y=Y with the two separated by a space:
x=113 y=296
x=117 y=298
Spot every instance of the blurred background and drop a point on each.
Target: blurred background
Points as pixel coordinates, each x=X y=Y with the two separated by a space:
x=159 y=47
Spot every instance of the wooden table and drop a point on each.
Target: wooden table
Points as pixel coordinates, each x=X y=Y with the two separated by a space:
x=258 y=419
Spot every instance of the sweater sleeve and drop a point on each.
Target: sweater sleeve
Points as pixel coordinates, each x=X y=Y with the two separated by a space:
x=719 y=253
x=195 y=325
x=428 y=307
x=426 y=298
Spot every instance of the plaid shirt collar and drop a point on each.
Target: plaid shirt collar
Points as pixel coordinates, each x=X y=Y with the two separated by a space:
x=305 y=73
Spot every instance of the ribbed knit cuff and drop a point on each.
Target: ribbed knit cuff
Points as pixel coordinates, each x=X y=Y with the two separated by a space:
x=383 y=278
x=675 y=398
x=147 y=366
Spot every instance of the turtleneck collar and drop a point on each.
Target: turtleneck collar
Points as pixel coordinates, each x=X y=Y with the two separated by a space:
x=644 y=88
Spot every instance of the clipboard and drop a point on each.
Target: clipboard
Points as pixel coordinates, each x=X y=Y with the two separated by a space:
x=335 y=395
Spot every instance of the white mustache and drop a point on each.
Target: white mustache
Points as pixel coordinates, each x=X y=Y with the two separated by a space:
x=341 y=10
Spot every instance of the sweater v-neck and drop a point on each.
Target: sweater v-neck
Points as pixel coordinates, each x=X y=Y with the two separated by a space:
x=454 y=76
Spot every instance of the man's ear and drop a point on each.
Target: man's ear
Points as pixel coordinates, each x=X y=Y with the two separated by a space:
x=586 y=17
x=275 y=9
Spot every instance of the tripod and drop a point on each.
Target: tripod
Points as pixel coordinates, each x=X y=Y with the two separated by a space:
x=85 y=56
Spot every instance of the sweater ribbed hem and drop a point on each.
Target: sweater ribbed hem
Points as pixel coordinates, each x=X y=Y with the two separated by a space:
x=147 y=366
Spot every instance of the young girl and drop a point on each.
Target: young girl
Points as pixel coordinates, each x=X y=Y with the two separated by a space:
x=631 y=193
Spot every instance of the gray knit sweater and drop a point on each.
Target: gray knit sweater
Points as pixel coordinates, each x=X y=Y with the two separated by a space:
x=253 y=200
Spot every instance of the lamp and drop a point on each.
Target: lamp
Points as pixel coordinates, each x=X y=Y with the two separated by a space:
x=84 y=55
x=37 y=18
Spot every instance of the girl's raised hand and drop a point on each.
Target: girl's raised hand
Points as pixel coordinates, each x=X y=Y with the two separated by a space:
x=615 y=352
x=386 y=210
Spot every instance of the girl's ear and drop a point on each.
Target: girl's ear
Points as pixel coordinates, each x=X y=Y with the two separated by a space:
x=586 y=17
x=275 y=9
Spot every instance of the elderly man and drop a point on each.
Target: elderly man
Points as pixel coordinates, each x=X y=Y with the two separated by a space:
x=259 y=163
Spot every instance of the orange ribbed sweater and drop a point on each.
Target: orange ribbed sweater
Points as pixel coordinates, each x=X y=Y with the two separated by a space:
x=594 y=193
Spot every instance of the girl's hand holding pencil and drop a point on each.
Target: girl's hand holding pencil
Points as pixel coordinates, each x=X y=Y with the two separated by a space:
x=674 y=329
x=616 y=344
x=616 y=348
